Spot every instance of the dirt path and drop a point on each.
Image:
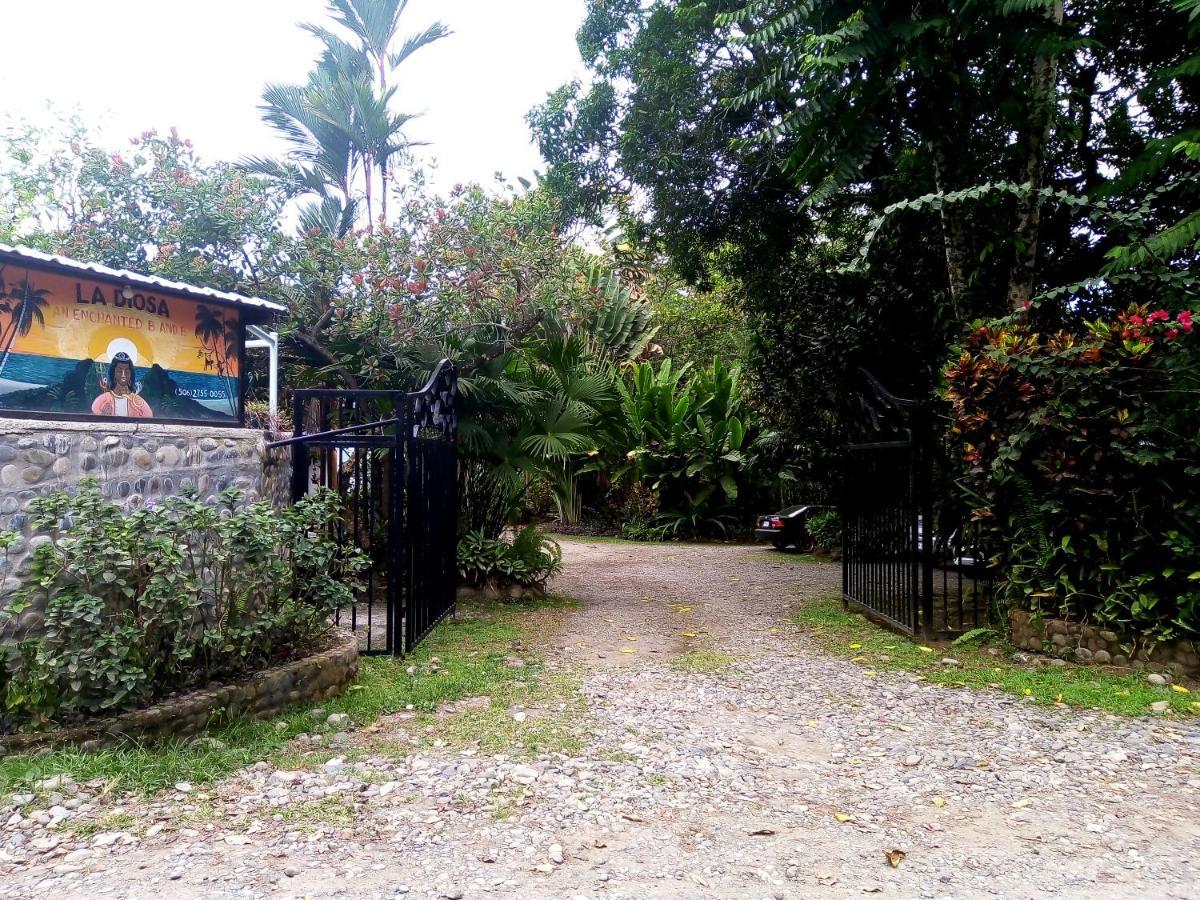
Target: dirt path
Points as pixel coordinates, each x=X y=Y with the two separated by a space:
x=723 y=757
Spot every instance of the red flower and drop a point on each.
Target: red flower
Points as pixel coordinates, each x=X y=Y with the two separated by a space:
x=1137 y=320
x=1185 y=321
x=1159 y=315
x=1172 y=333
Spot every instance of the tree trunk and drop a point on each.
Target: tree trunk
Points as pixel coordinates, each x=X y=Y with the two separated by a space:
x=954 y=237
x=1029 y=207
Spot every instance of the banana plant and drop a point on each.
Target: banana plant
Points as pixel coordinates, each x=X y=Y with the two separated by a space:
x=690 y=442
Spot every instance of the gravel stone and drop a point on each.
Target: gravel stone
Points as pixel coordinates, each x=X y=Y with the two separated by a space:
x=787 y=773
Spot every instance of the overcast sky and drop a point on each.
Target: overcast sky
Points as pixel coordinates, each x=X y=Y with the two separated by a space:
x=130 y=65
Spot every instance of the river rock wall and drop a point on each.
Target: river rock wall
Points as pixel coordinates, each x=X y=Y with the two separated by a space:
x=135 y=463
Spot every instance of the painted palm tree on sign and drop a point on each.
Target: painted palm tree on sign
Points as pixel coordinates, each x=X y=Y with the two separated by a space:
x=218 y=348
x=21 y=305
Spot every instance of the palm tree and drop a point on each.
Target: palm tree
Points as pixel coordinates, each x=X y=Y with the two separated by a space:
x=340 y=125
x=219 y=340
x=376 y=23
x=25 y=305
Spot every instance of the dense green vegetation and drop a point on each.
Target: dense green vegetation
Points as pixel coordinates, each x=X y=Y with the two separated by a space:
x=746 y=202
x=169 y=597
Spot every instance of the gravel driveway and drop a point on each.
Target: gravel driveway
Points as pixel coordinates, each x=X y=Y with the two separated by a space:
x=785 y=773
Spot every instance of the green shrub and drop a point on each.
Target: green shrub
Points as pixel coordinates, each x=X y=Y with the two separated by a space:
x=825 y=526
x=693 y=448
x=168 y=597
x=529 y=559
x=1081 y=467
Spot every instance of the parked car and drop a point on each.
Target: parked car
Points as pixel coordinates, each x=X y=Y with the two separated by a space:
x=787 y=528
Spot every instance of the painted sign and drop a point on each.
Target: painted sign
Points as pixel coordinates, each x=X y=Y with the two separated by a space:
x=97 y=348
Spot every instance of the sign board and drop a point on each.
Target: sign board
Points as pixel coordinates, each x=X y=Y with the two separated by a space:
x=73 y=346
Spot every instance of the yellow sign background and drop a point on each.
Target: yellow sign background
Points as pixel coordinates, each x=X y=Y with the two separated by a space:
x=78 y=326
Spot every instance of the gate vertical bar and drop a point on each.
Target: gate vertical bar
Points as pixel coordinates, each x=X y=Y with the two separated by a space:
x=399 y=560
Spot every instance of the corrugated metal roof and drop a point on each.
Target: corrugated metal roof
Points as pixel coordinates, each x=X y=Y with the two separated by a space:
x=133 y=278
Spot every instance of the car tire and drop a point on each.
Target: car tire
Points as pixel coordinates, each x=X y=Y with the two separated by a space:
x=807 y=544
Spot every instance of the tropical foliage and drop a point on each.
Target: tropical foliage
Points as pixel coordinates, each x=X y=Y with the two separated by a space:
x=1080 y=457
x=528 y=559
x=168 y=597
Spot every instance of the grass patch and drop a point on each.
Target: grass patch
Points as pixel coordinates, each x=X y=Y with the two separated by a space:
x=703 y=661
x=848 y=634
x=554 y=710
x=85 y=828
x=470 y=651
x=317 y=813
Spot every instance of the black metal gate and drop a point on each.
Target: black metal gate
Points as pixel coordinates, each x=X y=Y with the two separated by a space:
x=392 y=457
x=910 y=554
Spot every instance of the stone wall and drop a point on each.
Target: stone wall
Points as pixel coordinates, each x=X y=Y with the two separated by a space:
x=1084 y=643
x=314 y=678
x=134 y=462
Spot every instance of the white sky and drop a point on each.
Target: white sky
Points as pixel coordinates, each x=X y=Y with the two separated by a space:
x=130 y=65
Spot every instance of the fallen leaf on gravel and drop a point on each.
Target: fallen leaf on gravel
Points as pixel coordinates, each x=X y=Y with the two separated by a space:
x=645 y=599
x=689 y=634
x=894 y=857
x=938 y=801
x=925 y=649
x=1180 y=689
x=843 y=817
x=1021 y=804
x=774 y=631
x=811 y=723
x=856 y=646
x=873 y=889
x=869 y=673
x=858 y=659
x=632 y=817
x=629 y=649
x=762 y=831
x=631 y=638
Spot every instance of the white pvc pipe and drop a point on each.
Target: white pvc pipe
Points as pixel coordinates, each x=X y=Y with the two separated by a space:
x=268 y=340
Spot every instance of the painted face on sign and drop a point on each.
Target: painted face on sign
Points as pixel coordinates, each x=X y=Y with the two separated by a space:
x=124 y=378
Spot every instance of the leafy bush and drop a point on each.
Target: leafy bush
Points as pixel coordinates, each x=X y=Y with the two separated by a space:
x=825 y=526
x=529 y=559
x=168 y=597
x=691 y=445
x=1082 y=467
